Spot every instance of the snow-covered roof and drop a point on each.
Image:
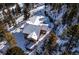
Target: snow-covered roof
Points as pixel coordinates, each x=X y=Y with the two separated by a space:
x=34 y=25
x=32 y=30
x=33 y=35
x=35 y=20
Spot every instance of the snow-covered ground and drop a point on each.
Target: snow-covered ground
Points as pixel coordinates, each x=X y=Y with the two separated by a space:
x=3 y=47
x=60 y=29
x=20 y=19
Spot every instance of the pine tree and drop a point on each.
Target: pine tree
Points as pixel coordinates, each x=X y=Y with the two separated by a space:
x=73 y=34
x=8 y=18
x=15 y=51
x=1 y=31
x=56 y=6
x=4 y=34
x=13 y=12
x=17 y=9
x=53 y=39
x=26 y=11
x=10 y=38
x=51 y=43
x=72 y=10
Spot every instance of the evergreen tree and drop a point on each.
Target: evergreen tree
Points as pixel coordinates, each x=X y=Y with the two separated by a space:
x=7 y=35
x=17 y=9
x=56 y=6
x=1 y=31
x=51 y=43
x=70 y=14
x=8 y=18
x=15 y=51
x=10 y=38
x=13 y=12
x=26 y=11
x=73 y=34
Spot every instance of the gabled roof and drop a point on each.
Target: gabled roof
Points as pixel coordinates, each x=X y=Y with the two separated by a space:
x=34 y=25
x=35 y=20
x=32 y=30
x=33 y=35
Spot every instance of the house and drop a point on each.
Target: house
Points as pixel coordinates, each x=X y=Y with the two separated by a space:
x=36 y=32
